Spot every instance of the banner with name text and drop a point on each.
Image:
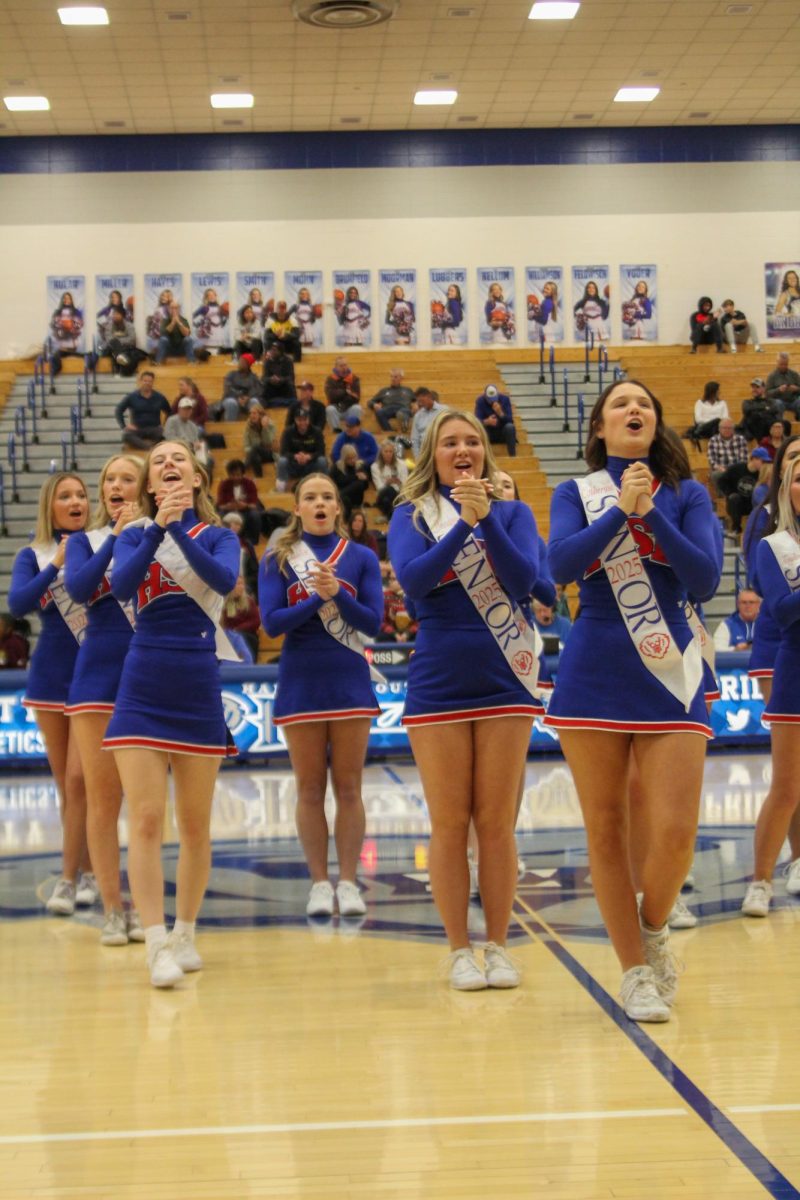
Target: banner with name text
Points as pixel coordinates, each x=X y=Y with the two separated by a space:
x=448 y=301
x=210 y=305
x=544 y=299
x=66 y=313
x=112 y=292
x=496 y=302
x=638 y=299
x=159 y=292
x=305 y=299
x=352 y=307
x=782 y=289
x=397 y=301
x=591 y=297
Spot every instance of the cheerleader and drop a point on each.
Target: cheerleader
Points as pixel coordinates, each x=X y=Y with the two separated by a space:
x=324 y=592
x=642 y=310
x=401 y=316
x=594 y=310
x=498 y=315
x=639 y=539
x=168 y=713
x=37 y=581
x=453 y=316
x=545 y=312
x=95 y=681
x=306 y=313
x=353 y=314
x=464 y=563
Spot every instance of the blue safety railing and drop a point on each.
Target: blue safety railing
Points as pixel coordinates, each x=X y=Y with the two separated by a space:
x=618 y=374
x=580 y=409
x=82 y=406
x=602 y=366
x=76 y=431
x=89 y=375
x=552 y=368
x=32 y=412
x=565 y=423
x=21 y=430
x=3 y=522
x=12 y=462
x=50 y=363
x=66 y=455
x=588 y=347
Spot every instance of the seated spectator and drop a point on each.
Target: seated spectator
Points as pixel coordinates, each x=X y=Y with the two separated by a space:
x=704 y=326
x=708 y=412
x=493 y=410
x=14 y=648
x=175 y=340
x=393 y=401
x=561 y=607
x=758 y=413
x=248 y=560
x=306 y=401
x=774 y=439
x=736 y=329
x=550 y=624
x=724 y=449
x=188 y=387
x=237 y=493
x=282 y=327
x=736 y=631
x=358 y=532
x=738 y=482
x=248 y=338
x=240 y=615
x=260 y=441
x=365 y=444
x=118 y=342
x=427 y=408
x=351 y=477
x=343 y=394
x=144 y=408
x=783 y=386
x=302 y=452
x=398 y=624
x=241 y=389
x=277 y=378
x=180 y=427
x=389 y=473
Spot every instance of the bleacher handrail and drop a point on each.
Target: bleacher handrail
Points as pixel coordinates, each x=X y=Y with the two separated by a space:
x=3 y=524
x=581 y=413
x=21 y=430
x=12 y=462
x=588 y=347
x=541 y=354
x=565 y=424
x=552 y=366
x=32 y=411
x=66 y=441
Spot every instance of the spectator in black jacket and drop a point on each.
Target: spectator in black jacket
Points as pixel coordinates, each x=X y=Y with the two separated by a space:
x=704 y=325
x=241 y=389
x=277 y=377
x=307 y=403
x=302 y=452
x=144 y=408
x=758 y=413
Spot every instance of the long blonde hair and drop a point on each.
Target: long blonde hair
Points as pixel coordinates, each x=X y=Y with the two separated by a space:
x=787 y=517
x=294 y=530
x=44 y=514
x=101 y=516
x=202 y=503
x=423 y=480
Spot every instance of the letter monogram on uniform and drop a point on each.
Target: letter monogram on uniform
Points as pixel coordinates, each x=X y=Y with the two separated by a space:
x=787 y=553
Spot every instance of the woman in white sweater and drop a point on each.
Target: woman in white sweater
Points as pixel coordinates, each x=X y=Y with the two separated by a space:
x=389 y=473
x=709 y=410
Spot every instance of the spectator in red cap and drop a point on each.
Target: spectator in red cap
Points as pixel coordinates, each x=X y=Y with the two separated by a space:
x=241 y=389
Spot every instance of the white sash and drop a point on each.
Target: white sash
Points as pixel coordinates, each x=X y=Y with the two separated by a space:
x=680 y=673
x=700 y=634
x=97 y=539
x=786 y=549
x=74 y=614
x=518 y=643
x=301 y=560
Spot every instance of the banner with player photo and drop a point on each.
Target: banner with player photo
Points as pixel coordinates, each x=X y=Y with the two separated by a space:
x=256 y=289
x=638 y=288
x=782 y=288
x=498 y=323
x=210 y=305
x=304 y=299
x=544 y=298
x=159 y=293
x=66 y=312
x=352 y=307
x=448 y=300
x=397 y=301
x=591 y=294
x=112 y=292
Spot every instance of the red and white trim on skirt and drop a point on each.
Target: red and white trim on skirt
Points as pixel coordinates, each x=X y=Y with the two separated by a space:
x=780 y=718
x=90 y=706
x=589 y=723
x=46 y=705
x=762 y=673
x=710 y=697
x=341 y=714
x=474 y=714
x=144 y=743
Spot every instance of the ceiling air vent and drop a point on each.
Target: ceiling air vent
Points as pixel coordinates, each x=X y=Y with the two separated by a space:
x=582 y=116
x=699 y=116
x=232 y=123
x=738 y=10
x=350 y=120
x=465 y=120
x=344 y=14
x=114 y=124
x=179 y=16
x=462 y=11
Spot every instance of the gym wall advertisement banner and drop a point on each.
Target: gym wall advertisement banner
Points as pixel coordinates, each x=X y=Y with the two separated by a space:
x=210 y=305
x=782 y=288
x=159 y=293
x=397 y=301
x=304 y=300
x=448 y=303
x=638 y=287
x=111 y=292
x=352 y=308
x=66 y=310
x=498 y=325
x=256 y=288
x=544 y=300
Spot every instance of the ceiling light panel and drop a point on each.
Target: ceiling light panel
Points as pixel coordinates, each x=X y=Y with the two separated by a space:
x=83 y=15
x=232 y=100
x=553 y=10
x=636 y=95
x=435 y=97
x=26 y=103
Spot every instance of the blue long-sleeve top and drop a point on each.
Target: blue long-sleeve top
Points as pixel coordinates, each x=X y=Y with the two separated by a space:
x=483 y=408
x=213 y=556
x=545 y=310
x=87 y=578
x=544 y=589
x=782 y=602
x=29 y=591
x=424 y=567
x=677 y=536
x=455 y=312
x=644 y=307
x=754 y=530
x=286 y=608
x=365 y=444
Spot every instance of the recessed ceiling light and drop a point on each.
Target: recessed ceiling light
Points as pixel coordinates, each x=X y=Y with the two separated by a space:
x=440 y=77
x=26 y=103
x=229 y=123
x=83 y=15
x=466 y=120
x=634 y=95
x=232 y=100
x=553 y=10
x=114 y=124
x=349 y=120
x=463 y=11
x=699 y=116
x=738 y=10
x=179 y=16
x=582 y=116
x=435 y=97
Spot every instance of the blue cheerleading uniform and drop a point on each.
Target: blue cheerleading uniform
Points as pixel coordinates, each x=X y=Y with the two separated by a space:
x=458 y=672
x=783 y=707
x=319 y=679
x=169 y=695
x=87 y=576
x=53 y=661
x=766 y=634
x=601 y=681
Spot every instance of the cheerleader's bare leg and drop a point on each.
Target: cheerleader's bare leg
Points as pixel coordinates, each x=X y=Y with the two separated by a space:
x=103 y=802
x=348 y=743
x=782 y=802
x=65 y=763
x=144 y=781
x=195 y=776
x=308 y=752
x=765 y=687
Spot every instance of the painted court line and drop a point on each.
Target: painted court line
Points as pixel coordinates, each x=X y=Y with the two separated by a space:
x=622 y=1114
x=763 y=1108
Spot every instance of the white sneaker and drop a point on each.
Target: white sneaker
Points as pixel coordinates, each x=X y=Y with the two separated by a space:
x=663 y=962
x=320 y=900
x=62 y=900
x=87 y=892
x=733 y=350
x=757 y=898
x=758 y=349
x=465 y=973
x=134 y=926
x=349 y=899
x=115 y=930
x=681 y=917
x=640 y=997
x=501 y=971
x=164 y=971
x=792 y=873
x=184 y=952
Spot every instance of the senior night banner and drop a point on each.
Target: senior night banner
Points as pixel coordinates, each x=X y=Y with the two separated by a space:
x=211 y=308
x=591 y=293
x=397 y=302
x=498 y=326
x=159 y=292
x=256 y=290
x=448 y=300
x=66 y=305
x=638 y=288
x=352 y=307
x=304 y=300
x=544 y=298
x=782 y=287
x=112 y=292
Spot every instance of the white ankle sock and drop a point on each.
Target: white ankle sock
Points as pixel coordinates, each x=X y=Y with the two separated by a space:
x=155 y=936
x=181 y=928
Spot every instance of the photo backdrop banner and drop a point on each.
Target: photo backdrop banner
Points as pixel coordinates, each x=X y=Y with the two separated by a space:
x=352 y=307
x=782 y=289
x=256 y=288
x=397 y=301
x=304 y=298
x=498 y=326
x=448 y=303
x=66 y=311
x=591 y=296
x=210 y=304
x=159 y=292
x=544 y=297
x=110 y=291
x=638 y=294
